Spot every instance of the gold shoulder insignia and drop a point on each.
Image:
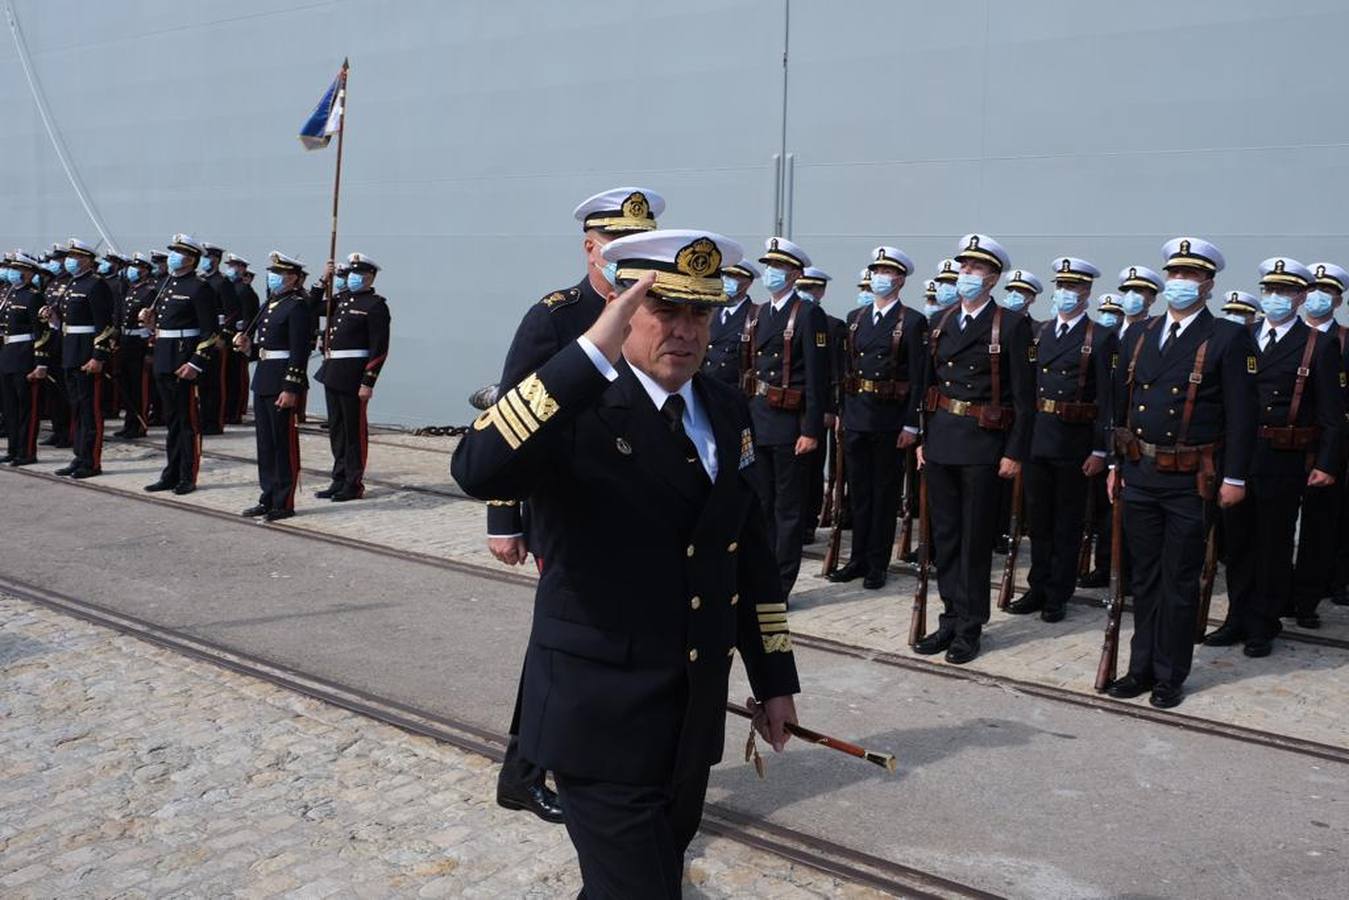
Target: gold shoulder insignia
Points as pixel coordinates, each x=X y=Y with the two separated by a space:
x=821 y=339
x=556 y=299
x=1250 y=364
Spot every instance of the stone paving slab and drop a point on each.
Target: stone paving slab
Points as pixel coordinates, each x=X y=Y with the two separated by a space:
x=131 y=771
x=1301 y=690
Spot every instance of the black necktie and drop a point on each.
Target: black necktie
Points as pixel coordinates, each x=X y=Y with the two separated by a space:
x=1063 y=329
x=964 y=320
x=1269 y=341
x=1171 y=335
x=673 y=410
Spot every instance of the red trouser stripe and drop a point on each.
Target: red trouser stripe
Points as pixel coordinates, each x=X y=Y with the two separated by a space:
x=30 y=449
x=195 y=420
x=365 y=444
x=98 y=420
x=293 y=441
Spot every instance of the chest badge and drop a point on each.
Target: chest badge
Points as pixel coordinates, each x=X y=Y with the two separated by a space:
x=1250 y=364
x=623 y=447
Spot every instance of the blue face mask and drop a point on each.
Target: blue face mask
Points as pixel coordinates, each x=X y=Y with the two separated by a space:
x=1181 y=293
x=808 y=296
x=1014 y=300
x=774 y=279
x=133 y=274
x=882 y=285
x=274 y=282
x=72 y=265
x=356 y=282
x=36 y=280
x=232 y=273
x=1109 y=320
x=969 y=285
x=52 y=266
x=1319 y=303
x=1133 y=303
x=865 y=297
x=946 y=295
x=204 y=265
x=1065 y=301
x=931 y=309
x=14 y=277
x=339 y=283
x=1235 y=317
x=730 y=286
x=610 y=273
x=177 y=260
x=1276 y=307
x=104 y=267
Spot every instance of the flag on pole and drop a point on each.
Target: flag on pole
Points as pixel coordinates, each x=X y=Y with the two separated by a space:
x=326 y=119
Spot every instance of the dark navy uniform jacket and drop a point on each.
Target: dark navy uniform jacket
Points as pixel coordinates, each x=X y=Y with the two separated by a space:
x=873 y=358
x=19 y=315
x=1058 y=364
x=723 y=349
x=646 y=597
x=1322 y=401
x=284 y=327
x=248 y=304
x=809 y=374
x=360 y=322
x=86 y=303
x=1225 y=406
x=962 y=370
x=227 y=300
x=186 y=303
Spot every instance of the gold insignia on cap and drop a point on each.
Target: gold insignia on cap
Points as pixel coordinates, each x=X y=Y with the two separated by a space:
x=1320 y=271
x=1016 y=276
x=1066 y=267
x=974 y=242
x=636 y=206
x=1232 y=297
x=946 y=266
x=1133 y=271
x=1278 y=265
x=773 y=244
x=1184 y=246
x=701 y=259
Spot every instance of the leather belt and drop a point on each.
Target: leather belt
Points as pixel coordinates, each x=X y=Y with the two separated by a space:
x=888 y=387
x=178 y=333
x=1151 y=450
x=78 y=329
x=959 y=407
x=1058 y=407
x=273 y=354
x=348 y=354
x=18 y=338
x=136 y=332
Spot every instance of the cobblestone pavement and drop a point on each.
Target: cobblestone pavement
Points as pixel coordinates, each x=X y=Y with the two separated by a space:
x=1300 y=690
x=130 y=771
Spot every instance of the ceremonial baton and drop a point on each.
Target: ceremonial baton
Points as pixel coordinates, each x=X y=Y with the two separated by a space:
x=885 y=760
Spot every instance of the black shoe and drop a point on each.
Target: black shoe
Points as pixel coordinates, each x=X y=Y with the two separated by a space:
x=1229 y=634
x=1340 y=596
x=934 y=643
x=185 y=488
x=535 y=798
x=274 y=515
x=22 y=461
x=85 y=472
x=1026 y=603
x=1310 y=621
x=1258 y=647
x=254 y=511
x=161 y=485
x=1096 y=578
x=1165 y=696
x=851 y=572
x=346 y=494
x=874 y=582
x=8 y=457
x=1053 y=614
x=328 y=492
x=963 y=649
x=1129 y=687
x=67 y=470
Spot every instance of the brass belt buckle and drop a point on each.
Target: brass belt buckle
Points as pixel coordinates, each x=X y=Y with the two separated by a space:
x=1049 y=406
x=958 y=407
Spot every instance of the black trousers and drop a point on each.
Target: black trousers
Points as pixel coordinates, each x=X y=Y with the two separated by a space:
x=1166 y=532
x=875 y=475
x=814 y=489
x=236 y=385
x=1319 y=546
x=348 y=436
x=57 y=404
x=630 y=840
x=1259 y=556
x=86 y=413
x=278 y=453
x=19 y=398
x=182 y=446
x=963 y=502
x=783 y=477
x=1056 y=506
x=212 y=397
x=133 y=377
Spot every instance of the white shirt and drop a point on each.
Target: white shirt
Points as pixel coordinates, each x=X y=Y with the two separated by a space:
x=960 y=316
x=728 y=311
x=1071 y=323
x=1279 y=331
x=1184 y=324
x=1324 y=326
x=697 y=425
x=877 y=310
x=778 y=304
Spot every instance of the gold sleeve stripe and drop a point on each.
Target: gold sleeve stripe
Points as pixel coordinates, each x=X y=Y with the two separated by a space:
x=521 y=410
x=504 y=410
x=777 y=643
x=770 y=607
x=494 y=416
x=765 y=618
x=503 y=503
x=772 y=627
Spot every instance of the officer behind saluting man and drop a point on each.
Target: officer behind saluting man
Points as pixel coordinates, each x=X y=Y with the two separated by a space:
x=788 y=397
x=133 y=375
x=245 y=309
x=23 y=363
x=980 y=399
x=1299 y=445
x=623 y=701
x=727 y=358
x=357 y=345
x=88 y=334
x=184 y=321
x=883 y=388
x=1185 y=419
x=282 y=339
x=1072 y=357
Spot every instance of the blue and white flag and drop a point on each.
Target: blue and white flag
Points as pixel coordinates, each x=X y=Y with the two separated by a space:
x=326 y=119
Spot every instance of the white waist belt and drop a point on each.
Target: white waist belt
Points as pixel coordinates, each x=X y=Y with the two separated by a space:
x=136 y=332
x=79 y=329
x=18 y=338
x=273 y=354
x=348 y=354
x=220 y=320
x=178 y=333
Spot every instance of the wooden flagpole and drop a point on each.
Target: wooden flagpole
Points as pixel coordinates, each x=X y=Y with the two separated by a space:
x=341 y=101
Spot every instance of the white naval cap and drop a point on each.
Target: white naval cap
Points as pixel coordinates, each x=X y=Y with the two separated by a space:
x=58 y=249
x=1070 y=268
x=781 y=250
x=1193 y=252
x=19 y=258
x=622 y=210
x=359 y=262
x=236 y=260
x=892 y=258
x=948 y=270
x=864 y=278
x=744 y=268
x=75 y=245
x=140 y=259
x=186 y=243
x=280 y=262
x=1109 y=303
x=1021 y=280
x=982 y=248
x=1287 y=271
x=212 y=249
x=1140 y=278
x=687 y=262
x=1331 y=276
x=813 y=277
x=1240 y=302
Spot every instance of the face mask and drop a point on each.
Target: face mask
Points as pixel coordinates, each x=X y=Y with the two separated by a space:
x=969 y=286
x=36 y=280
x=1180 y=293
x=1133 y=303
x=204 y=265
x=774 y=279
x=177 y=261
x=865 y=297
x=730 y=286
x=946 y=295
x=339 y=283
x=1014 y=300
x=232 y=273
x=882 y=285
x=1276 y=307
x=72 y=265
x=808 y=296
x=1235 y=317
x=52 y=266
x=104 y=267
x=1319 y=303
x=356 y=281
x=133 y=274
x=1065 y=301
x=930 y=309
x=14 y=277
x=274 y=282
x=1109 y=320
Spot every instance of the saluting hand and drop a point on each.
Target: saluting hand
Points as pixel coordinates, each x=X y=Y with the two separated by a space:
x=611 y=328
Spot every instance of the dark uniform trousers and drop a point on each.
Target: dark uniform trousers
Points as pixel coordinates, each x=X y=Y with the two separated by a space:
x=21 y=400
x=178 y=400
x=1259 y=552
x=961 y=458
x=133 y=377
x=628 y=709
x=278 y=442
x=282 y=345
x=875 y=471
x=1323 y=540
x=347 y=437
x=86 y=411
x=1165 y=518
x=1056 y=500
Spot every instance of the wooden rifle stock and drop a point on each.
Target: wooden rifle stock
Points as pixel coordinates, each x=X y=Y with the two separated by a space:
x=918 y=617
x=904 y=545
x=1013 y=547
x=827 y=511
x=835 y=499
x=1210 y=573
x=885 y=760
x=1105 y=670
x=1088 y=531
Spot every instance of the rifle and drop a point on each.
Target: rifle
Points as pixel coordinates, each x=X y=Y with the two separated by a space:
x=918 y=619
x=1105 y=670
x=904 y=545
x=1013 y=547
x=885 y=760
x=1088 y=532
x=1206 y=580
x=836 y=479
x=827 y=511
